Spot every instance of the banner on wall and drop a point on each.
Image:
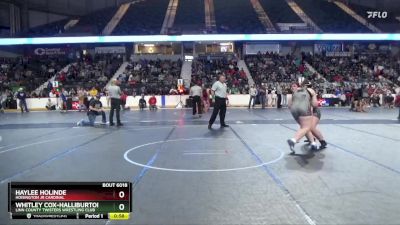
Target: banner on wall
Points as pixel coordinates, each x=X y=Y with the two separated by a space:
x=334 y=47
x=338 y=54
x=366 y=48
x=49 y=51
x=110 y=50
x=253 y=49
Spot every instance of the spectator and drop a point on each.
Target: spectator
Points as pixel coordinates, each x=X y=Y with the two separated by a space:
x=274 y=97
x=342 y=98
x=50 y=105
x=388 y=99
x=360 y=105
x=262 y=96
x=63 y=98
x=124 y=97
x=21 y=96
x=375 y=100
x=3 y=99
x=142 y=103
x=93 y=92
x=279 y=96
x=82 y=95
x=153 y=103
x=285 y=92
x=173 y=91
x=253 y=95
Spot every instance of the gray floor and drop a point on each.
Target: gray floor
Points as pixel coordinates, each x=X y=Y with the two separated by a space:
x=186 y=174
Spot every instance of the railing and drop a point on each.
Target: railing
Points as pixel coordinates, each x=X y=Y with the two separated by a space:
x=357 y=17
x=262 y=16
x=303 y=16
x=169 y=16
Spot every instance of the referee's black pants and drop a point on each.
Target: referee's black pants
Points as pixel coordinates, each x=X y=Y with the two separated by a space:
x=197 y=105
x=115 y=105
x=219 y=107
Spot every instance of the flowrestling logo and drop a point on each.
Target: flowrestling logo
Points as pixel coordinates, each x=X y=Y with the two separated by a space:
x=377 y=14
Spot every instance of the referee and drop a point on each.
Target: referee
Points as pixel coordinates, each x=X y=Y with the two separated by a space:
x=219 y=91
x=115 y=95
x=195 y=92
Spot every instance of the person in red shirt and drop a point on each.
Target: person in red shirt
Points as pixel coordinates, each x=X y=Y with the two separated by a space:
x=302 y=68
x=123 y=100
x=242 y=74
x=62 y=77
x=153 y=103
x=206 y=101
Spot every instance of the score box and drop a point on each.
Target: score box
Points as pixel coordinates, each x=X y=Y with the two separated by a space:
x=66 y=200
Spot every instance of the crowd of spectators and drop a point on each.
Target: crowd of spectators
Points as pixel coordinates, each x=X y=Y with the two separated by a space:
x=272 y=67
x=151 y=77
x=359 y=82
x=28 y=73
x=206 y=72
x=90 y=71
x=358 y=69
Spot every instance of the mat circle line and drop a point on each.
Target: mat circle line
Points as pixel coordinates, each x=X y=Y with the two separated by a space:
x=194 y=170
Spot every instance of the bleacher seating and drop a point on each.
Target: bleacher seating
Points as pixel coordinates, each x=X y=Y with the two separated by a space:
x=143 y=18
x=90 y=72
x=272 y=68
x=29 y=73
x=206 y=70
x=389 y=24
x=150 y=77
x=190 y=16
x=279 y=11
x=94 y=22
x=359 y=69
x=330 y=18
x=238 y=17
x=47 y=30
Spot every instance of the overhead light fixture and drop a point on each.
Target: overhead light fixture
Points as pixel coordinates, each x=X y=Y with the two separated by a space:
x=225 y=43
x=148 y=45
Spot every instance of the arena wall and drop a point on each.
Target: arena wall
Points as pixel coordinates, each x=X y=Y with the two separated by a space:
x=167 y=101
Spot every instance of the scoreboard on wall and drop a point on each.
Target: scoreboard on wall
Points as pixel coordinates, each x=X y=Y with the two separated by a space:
x=70 y=200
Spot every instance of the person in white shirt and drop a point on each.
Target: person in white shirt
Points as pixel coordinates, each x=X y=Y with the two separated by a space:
x=50 y=105
x=253 y=94
x=115 y=92
x=273 y=97
x=219 y=90
x=195 y=92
